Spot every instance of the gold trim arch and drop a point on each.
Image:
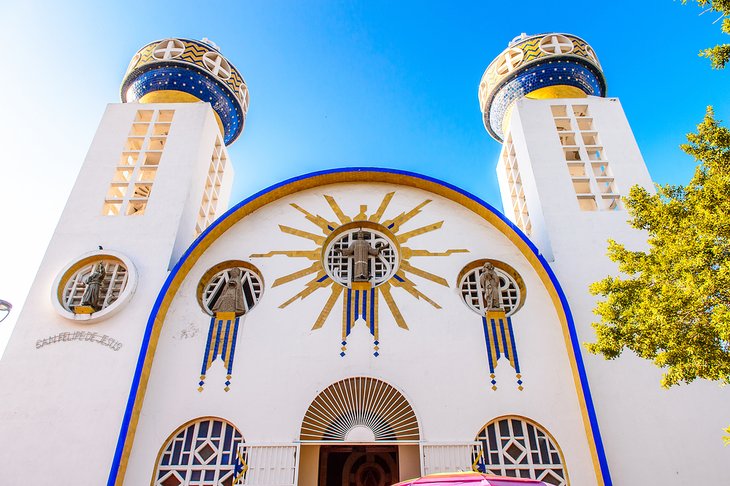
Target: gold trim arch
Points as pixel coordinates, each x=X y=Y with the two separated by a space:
x=350 y=175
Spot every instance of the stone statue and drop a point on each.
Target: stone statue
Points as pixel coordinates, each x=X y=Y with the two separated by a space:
x=361 y=251
x=231 y=297
x=489 y=281
x=93 y=287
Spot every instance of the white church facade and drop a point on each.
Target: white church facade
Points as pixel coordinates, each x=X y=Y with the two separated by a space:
x=354 y=326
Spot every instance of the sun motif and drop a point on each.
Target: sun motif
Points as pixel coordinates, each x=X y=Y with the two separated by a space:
x=389 y=264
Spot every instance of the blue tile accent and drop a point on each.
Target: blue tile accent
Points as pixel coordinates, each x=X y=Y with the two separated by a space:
x=574 y=72
x=514 y=346
x=191 y=80
x=489 y=345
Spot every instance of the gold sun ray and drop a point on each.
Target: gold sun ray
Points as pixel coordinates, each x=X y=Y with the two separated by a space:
x=385 y=289
x=318 y=282
x=407 y=267
x=336 y=209
x=408 y=252
x=309 y=254
x=304 y=234
x=375 y=218
x=397 y=316
x=315 y=267
x=395 y=223
x=403 y=282
x=419 y=231
x=331 y=301
x=327 y=226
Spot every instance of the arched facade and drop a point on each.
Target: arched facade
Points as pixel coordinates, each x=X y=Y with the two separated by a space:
x=306 y=333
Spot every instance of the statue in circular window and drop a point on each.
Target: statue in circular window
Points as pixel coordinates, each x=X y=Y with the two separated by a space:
x=94 y=286
x=491 y=285
x=360 y=255
x=233 y=286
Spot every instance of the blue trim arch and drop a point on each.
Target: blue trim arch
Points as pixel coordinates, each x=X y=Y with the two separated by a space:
x=124 y=441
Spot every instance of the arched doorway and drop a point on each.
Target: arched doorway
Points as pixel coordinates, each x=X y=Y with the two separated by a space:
x=362 y=427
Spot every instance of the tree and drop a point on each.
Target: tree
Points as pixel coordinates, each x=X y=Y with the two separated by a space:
x=720 y=54
x=673 y=303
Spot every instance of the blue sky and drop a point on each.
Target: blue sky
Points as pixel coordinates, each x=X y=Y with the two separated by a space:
x=390 y=84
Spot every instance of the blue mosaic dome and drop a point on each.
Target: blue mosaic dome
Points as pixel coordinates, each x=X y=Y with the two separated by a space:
x=540 y=66
x=184 y=70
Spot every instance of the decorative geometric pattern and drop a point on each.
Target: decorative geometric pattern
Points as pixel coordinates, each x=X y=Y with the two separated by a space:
x=221 y=342
x=360 y=403
x=500 y=340
x=543 y=57
x=519 y=448
x=205 y=453
x=114 y=283
x=360 y=300
x=383 y=266
x=199 y=70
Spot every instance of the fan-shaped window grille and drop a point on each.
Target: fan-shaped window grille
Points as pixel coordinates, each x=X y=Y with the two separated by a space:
x=360 y=409
x=382 y=266
x=519 y=448
x=473 y=294
x=251 y=284
x=203 y=453
x=113 y=283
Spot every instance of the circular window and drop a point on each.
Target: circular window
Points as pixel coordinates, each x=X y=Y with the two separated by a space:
x=233 y=286
x=556 y=44
x=508 y=61
x=356 y=253
x=509 y=294
x=217 y=65
x=168 y=49
x=94 y=286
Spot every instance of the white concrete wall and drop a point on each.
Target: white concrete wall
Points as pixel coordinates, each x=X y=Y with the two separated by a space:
x=652 y=436
x=63 y=403
x=440 y=364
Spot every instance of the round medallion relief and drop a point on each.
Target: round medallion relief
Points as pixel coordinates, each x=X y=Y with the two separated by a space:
x=231 y=286
x=360 y=252
x=509 y=294
x=95 y=286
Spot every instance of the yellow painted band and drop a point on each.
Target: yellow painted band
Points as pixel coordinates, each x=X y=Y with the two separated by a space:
x=362 y=176
x=558 y=91
x=175 y=96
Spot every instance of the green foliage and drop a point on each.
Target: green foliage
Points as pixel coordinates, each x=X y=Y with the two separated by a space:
x=672 y=304
x=720 y=54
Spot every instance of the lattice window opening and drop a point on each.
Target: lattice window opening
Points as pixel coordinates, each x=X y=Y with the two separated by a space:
x=251 y=285
x=212 y=189
x=205 y=453
x=516 y=447
x=112 y=286
x=131 y=184
x=350 y=407
x=473 y=294
x=382 y=267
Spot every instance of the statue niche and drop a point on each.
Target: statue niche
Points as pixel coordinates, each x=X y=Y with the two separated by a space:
x=491 y=291
x=93 y=288
x=231 y=296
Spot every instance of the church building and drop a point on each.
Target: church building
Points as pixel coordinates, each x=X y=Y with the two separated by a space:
x=353 y=326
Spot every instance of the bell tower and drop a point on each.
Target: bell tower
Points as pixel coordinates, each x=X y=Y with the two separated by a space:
x=568 y=157
x=156 y=175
